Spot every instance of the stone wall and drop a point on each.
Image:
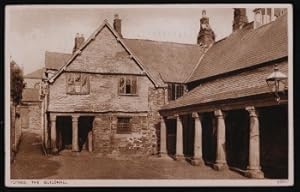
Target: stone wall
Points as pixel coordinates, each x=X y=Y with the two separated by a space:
x=107 y=141
x=31 y=117
x=145 y=127
x=103 y=96
x=15 y=130
x=156 y=101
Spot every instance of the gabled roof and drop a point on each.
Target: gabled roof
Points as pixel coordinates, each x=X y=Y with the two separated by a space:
x=157 y=82
x=248 y=83
x=244 y=48
x=30 y=94
x=37 y=74
x=54 y=60
x=173 y=62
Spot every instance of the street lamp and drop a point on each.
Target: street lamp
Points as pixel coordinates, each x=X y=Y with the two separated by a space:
x=277 y=82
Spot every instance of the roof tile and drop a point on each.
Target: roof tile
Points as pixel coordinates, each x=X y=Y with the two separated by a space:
x=247 y=83
x=245 y=48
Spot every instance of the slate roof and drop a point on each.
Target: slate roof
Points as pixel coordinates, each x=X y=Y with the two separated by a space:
x=37 y=74
x=54 y=60
x=30 y=94
x=245 y=48
x=248 y=83
x=173 y=62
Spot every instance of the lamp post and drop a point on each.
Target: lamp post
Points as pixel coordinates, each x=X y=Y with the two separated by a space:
x=277 y=82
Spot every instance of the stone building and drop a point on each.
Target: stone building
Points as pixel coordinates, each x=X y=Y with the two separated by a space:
x=207 y=103
x=230 y=117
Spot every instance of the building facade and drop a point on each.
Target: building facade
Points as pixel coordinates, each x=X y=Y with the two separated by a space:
x=208 y=103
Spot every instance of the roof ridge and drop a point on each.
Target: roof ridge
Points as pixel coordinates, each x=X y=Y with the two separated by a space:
x=165 y=42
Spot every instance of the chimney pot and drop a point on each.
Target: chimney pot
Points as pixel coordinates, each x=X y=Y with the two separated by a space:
x=206 y=36
x=79 y=39
x=118 y=25
x=204 y=13
x=239 y=18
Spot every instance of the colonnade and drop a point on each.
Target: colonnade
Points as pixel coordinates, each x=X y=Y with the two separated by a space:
x=220 y=163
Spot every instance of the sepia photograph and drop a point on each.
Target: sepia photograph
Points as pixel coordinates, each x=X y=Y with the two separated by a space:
x=149 y=95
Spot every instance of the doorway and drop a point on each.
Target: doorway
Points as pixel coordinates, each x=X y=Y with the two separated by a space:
x=64 y=132
x=85 y=126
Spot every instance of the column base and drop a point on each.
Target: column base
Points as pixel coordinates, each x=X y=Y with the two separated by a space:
x=179 y=157
x=220 y=166
x=54 y=151
x=163 y=156
x=75 y=150
x=254 y=173
x=197 y=161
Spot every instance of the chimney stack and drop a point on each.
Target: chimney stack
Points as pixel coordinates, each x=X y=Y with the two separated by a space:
x=117 y=25
x=79 y=40
x=206 y=36
x=239 y=19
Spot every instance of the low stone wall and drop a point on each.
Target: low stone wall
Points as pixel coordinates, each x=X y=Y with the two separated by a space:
x=15 y=131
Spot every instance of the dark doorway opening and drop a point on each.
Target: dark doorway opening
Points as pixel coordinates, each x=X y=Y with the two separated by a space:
x=274 y=141
x=85 y=125
x=64 y=132
x=171 y=136
x=208 y=137
x=188 y=135
x=237 y=138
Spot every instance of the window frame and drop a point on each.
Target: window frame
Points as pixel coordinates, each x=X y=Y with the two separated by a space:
x=133 y=86
x=173 y=90
x=74 y=84
x=122 y=132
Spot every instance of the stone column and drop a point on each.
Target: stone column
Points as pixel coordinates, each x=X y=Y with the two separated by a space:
x=53 y=133
x=179 y=139
x=220 y=163
x=90 y=141
x=75 y=146
x=254 y=168
x=197 y=159
x=163 y=138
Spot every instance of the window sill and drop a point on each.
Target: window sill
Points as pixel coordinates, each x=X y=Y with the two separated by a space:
x=132 y=95
x=78 y=93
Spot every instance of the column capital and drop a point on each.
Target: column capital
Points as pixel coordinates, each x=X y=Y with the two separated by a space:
x=196 y=115
x=53 y=117
x=75 y=117
x=177 y=116
x=219 y=113
x=162 y=118
x=252 y=111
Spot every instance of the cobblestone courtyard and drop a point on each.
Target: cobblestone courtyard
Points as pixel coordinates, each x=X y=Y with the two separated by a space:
x=30 y=163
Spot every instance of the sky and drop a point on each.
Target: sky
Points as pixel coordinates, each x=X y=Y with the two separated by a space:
x=32 y=30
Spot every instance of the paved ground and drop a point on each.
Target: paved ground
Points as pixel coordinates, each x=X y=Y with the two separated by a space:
x=32 y=164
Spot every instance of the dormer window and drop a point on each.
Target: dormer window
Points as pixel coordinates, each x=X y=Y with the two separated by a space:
x=175 y=90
